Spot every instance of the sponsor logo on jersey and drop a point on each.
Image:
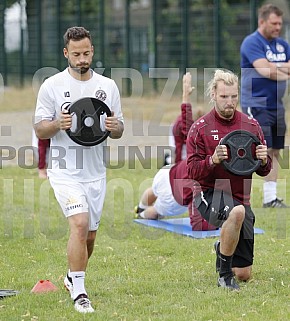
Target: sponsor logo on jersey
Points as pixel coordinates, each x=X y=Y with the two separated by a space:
x=66 y=94
x=275 y=57
x=65 y=106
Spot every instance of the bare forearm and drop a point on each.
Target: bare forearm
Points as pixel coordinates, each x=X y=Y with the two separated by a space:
x=185 y=98
x=271 y=70
x=280 y=74
x=46 y=129
x=284 y=67
x=118 y=131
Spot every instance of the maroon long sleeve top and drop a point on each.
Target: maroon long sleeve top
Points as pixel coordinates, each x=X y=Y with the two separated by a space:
x=204 y=135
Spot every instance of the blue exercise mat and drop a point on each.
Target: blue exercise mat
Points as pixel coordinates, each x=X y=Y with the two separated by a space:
x=182 y=226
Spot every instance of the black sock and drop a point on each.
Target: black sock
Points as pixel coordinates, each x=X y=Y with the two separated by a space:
x=226 y=265
x=140 y=209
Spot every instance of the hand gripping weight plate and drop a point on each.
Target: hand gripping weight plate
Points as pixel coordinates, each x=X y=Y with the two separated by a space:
x=241 y=160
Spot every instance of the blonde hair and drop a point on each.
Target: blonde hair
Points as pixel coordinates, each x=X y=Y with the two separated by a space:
x=226 y=76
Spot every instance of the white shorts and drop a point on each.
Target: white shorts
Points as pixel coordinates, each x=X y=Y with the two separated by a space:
x=75 y=198
x=165 y=204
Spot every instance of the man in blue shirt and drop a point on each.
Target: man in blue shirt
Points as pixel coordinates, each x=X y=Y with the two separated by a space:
x=265 y=63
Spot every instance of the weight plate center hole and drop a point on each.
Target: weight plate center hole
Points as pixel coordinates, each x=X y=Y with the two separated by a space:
x=241 y=152
x=89 y=121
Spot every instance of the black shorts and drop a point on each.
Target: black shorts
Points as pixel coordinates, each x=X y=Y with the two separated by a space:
x=215 y=206
x=272 y=123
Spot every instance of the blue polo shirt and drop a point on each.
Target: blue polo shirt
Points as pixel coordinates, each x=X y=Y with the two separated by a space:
x=257 y=91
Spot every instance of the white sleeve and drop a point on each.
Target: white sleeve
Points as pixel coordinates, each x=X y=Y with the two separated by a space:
x=45 y=107
x=116 y=102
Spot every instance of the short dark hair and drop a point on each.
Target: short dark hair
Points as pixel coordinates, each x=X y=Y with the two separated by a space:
x=267 y=9
x=75 y=34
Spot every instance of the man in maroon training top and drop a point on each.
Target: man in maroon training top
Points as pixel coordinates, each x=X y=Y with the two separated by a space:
x=222 y=198
x=168 y=194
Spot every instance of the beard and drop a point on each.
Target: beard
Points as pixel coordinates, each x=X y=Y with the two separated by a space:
x=226 y=113
x=80 y=70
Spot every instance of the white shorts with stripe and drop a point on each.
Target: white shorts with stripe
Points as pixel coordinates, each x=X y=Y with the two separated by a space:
x=75 y=198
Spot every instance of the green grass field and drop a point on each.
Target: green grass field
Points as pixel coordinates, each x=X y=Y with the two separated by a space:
x=135 y=273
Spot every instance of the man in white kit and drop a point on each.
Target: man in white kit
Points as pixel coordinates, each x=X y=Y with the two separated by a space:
x=77 y=173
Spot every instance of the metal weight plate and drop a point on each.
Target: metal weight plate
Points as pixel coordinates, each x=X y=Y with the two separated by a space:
x=241 y=160
x=86 y=123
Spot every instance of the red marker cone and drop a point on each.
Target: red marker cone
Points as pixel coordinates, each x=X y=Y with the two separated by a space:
x=43 y=286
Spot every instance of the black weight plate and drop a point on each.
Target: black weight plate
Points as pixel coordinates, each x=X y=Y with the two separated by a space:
x=241 y=160
x=86 y=129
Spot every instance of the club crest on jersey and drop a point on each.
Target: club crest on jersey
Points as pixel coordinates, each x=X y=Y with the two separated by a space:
x=101 y=95
x=279 y=48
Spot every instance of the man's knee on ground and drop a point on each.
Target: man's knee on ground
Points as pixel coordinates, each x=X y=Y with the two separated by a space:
x=243 y=274
x=151 y=213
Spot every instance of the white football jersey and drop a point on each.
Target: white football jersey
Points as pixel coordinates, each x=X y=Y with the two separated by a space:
x=67 y=159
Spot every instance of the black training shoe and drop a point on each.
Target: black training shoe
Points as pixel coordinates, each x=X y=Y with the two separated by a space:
x=277 y=203
x=218 y=260
x=228 y=282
